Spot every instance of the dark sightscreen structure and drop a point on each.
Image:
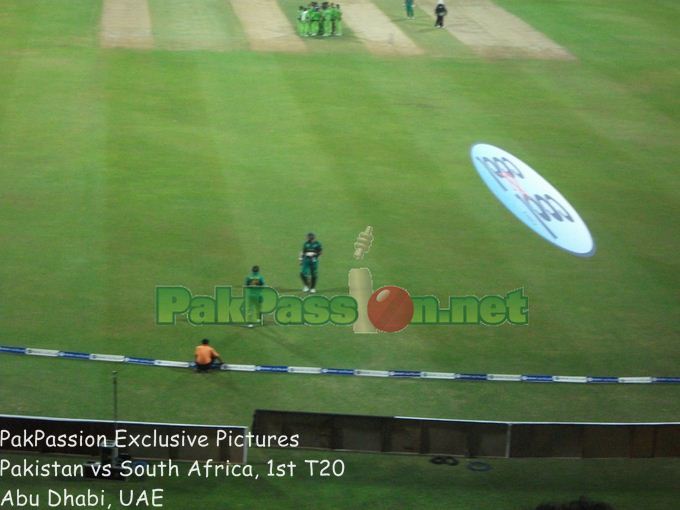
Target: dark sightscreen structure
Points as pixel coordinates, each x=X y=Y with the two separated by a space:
x=472 y=438
x=20 y=425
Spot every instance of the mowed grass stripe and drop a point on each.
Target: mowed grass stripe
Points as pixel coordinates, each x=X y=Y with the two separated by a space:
x=126 y=24
x=193 y=25
x=166 y=196
x=281 y=181
x=267 y=27
x=494 y=32
x=54 y=259
x=376 y=30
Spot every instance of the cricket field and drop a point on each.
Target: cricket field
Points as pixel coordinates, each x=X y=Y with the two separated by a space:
x=180 y=142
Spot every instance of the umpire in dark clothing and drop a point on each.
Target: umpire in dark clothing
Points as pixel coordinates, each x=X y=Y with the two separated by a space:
x=440 y=11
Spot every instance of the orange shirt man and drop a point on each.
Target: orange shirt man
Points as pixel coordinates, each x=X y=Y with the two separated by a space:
x=205 y=355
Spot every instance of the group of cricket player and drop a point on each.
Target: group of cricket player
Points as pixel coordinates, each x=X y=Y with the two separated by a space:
x=309 y=273
x=323 y=20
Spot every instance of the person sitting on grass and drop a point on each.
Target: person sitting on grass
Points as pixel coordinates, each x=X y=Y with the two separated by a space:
x=205 y=356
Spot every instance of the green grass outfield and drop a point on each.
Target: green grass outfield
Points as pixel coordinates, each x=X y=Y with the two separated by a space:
x=121 y=170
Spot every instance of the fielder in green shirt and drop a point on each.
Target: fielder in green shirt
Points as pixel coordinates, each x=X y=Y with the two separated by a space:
x=334 y=19
x=327 y=15
x=301 y=21
x=409 y=9
x=306 y=21
x=338 y=20
x=314 y=21
x=253 y=294
x=309 y=262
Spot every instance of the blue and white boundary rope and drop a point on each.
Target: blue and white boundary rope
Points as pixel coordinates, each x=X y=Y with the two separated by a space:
x=402 y=374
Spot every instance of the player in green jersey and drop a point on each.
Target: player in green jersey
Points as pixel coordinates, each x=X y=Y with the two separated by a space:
x=338 y=20
x=314 y=21
x=301 y=21
x=309 y=263
x=306 y=21
x=409 y=9
x=327 y=15
x=253 y=294
x=333 y=15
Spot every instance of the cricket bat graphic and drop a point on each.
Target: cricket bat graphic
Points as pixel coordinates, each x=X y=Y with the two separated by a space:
x=361 y=288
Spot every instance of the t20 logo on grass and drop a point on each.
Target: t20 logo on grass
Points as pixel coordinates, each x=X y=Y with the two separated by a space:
x=532 y=199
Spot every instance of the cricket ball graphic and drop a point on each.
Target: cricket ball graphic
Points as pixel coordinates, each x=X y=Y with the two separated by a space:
x=390 y=309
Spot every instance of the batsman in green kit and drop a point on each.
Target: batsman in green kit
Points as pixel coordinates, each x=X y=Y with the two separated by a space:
x=253 y=294
x=309 y=263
